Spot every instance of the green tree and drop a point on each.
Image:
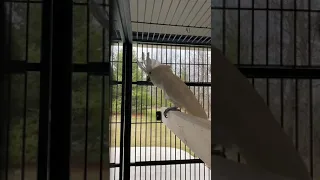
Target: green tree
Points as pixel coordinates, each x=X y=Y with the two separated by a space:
x=140 y=94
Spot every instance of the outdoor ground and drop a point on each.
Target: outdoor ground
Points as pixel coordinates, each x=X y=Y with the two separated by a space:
x=177 y=172
x=150 y=140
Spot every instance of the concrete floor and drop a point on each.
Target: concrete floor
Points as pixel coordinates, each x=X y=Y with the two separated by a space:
x=160 y=172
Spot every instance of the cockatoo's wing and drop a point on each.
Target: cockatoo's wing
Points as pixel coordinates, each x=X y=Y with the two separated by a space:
x=175 y=103
x=239 y=108
x=193 y=131
x=196 y=133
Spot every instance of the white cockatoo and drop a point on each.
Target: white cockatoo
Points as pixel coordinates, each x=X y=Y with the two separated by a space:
x=174 y=88
x=180 y=95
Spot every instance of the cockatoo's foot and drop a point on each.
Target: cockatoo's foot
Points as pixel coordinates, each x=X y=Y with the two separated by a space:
x=170 y=109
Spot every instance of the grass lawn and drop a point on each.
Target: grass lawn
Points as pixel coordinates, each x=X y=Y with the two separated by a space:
x=146 y=131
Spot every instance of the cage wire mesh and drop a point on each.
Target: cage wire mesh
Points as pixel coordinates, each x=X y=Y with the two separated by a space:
x=91 y=96
x=176 y=33
x=90 y=93
x=278 y=35
x=24 y=88
x=151 y=141
x=266 y=34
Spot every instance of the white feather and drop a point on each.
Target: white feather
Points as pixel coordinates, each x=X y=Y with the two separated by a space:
x=175 y=89
x=241 y=110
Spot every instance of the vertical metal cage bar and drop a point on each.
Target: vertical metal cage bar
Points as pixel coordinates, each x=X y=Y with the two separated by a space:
x=45 y=93
x=127 y=61
x=117 y=100
x=87 y=94
x=252 y=33
x=311 y=121
x=9 y=89
x=106 y=94
x=23 y=149
x=4 y=84
x=61 y=90
x=136 y=113
x=122 y=121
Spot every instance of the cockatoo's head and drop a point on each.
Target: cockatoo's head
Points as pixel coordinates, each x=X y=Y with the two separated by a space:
x=147 y=65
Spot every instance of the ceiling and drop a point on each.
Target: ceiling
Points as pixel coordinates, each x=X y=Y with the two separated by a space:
x=171 y=21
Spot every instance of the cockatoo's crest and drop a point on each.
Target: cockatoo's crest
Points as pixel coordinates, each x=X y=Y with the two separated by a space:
x=148 y=64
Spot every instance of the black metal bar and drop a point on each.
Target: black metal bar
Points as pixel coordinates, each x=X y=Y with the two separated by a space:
x=24 y=123
x=86 y=122
x=127 y=61
x=141 y=98
x=61 y=90
x=167 y=39
x=123 y=7
x=266 y=9
x=171 y=45
x=168 y=24
x=106 y=98
x=252 y=33
x=239 y=32
x=122 y=118
x=135 y=121
x=4 y=90
x=157 y=163
x=263 y=72
x=150 y=134
x=311 y=130
x=169 y=162
x=9 y=41
x=296 y=119
x=284 y=72
x=39 y=2
x=93 y=68
x=45 y=93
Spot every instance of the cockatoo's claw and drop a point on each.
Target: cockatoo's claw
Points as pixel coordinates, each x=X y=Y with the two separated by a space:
x=148 y=79
x=170 y=109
